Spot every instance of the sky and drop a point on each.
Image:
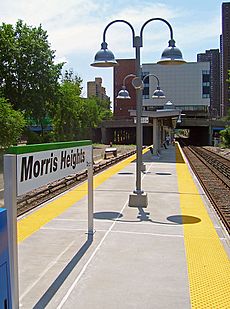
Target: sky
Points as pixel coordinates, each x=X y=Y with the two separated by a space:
x=75 y=29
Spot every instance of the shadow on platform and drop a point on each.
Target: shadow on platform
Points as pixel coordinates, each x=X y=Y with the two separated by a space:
x=144 y=216
x=166 y=156
x=54 y=287
x=183 y=219
x=107 y=215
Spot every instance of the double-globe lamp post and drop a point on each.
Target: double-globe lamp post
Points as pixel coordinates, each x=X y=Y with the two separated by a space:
x=124 y=94
x=105 y=58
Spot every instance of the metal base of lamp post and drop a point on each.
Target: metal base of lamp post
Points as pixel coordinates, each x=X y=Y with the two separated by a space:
x=138 y=200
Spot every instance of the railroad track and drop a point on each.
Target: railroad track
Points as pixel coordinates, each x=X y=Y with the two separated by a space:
x=37 y=197
x=213 y=172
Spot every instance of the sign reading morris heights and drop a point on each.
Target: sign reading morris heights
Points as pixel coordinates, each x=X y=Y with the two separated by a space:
x=40 y=164
x=29 y=167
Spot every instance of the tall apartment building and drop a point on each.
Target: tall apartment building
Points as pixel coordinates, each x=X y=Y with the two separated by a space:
x=213 y=56
x=225 y=57
x=95 y=89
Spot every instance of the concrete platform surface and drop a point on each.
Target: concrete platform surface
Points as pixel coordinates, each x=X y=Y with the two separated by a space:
x=138 y=257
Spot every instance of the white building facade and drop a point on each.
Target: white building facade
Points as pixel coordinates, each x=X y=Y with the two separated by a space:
x=187 y=86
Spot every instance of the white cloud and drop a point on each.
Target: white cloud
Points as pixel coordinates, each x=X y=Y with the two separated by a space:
x=47 y=11
x=84 y=36
x=61 y=59
x=75 y=27
x=202 y=30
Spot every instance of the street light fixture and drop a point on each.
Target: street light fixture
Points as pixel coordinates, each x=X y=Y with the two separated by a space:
x=179 y=119
x=105 y=58
x=169 y=105
x=124 y=94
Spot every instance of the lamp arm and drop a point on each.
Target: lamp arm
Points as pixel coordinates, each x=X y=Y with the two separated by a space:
x=158 y=82
x=118 y=21
x=157 y=18
x=127 y=76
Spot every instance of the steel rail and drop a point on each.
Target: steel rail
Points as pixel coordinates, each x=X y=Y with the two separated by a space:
x=214 y=183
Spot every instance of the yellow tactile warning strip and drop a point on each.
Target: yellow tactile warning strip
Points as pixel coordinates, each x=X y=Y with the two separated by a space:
x=208 y=263
x=30 y=224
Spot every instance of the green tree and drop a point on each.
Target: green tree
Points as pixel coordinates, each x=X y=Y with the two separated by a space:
x=12 y=124
x=225 y=135
x=28 y=75
x=89 y=114
x=74 y=116
x=105 y=112
x=66 y=110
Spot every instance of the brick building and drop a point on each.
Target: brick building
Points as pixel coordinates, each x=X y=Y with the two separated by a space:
x=122 y=107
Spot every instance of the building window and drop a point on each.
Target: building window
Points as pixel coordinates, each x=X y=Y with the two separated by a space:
x=145 y=91
x=205 y=84
x=192 y=107
x=144 y=74
x=205 y=95
x=205 y=72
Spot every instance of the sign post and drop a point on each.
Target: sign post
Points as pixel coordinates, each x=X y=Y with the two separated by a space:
x=10 y=203
x=90 y=196
x=29 y=167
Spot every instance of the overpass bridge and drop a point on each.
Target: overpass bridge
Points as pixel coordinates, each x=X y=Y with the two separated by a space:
x=123 y=131
x=202 y=130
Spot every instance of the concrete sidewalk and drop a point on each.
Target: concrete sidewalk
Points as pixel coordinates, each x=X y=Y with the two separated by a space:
x=135 y=259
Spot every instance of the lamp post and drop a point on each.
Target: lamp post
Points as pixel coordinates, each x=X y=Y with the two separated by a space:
x=105 y=58
x=124 y=94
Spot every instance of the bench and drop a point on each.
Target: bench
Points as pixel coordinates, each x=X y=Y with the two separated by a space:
x=110 y=150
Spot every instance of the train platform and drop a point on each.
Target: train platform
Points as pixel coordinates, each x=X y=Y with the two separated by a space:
x=172 y=254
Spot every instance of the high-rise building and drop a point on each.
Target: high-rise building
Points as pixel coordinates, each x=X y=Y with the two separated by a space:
x=95 y=89
x=225 y=58
x=213 y=56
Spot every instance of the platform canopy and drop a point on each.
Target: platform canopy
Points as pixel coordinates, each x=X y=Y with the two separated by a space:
x=161 y=113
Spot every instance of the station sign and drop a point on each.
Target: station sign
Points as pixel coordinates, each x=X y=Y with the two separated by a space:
x=143 y=119
x=38 y=165
x=28 y=167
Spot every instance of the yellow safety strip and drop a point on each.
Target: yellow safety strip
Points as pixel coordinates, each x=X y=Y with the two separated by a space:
x=207 y=260
x=32 y=223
